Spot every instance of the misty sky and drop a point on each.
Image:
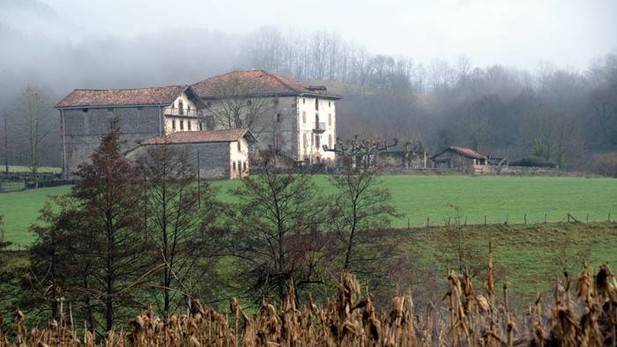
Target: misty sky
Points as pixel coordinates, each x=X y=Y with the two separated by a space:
x=519 y=33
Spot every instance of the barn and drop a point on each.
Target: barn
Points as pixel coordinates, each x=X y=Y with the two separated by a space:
x=213 y=153
x=460 y=158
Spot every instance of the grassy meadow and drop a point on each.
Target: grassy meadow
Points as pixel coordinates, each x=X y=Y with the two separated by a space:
x=498 y=198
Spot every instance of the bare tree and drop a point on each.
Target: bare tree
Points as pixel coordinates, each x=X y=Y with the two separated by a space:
x=360 y=205
x=37 y=130
x=239 y=104
x=276 y=232
x=180 y=219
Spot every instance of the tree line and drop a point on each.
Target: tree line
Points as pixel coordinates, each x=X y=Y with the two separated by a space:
x=564 y=116
x=147 y=234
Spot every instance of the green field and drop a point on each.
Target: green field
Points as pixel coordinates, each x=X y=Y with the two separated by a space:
x=499 y=198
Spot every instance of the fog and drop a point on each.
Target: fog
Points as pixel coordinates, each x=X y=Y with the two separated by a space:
x=66 y=44
x=483 y=74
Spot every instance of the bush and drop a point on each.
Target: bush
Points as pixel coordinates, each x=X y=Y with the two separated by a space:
x=606 y=164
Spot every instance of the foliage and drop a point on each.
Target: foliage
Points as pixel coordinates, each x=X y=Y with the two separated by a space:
x=99 y=233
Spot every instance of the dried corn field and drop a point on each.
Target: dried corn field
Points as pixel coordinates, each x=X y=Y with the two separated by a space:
x=582 y=312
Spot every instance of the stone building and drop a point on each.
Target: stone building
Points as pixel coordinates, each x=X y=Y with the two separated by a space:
x=460 y=158
x=291 y=118
x=214 y=154
x=294 y=120
x=86 y=116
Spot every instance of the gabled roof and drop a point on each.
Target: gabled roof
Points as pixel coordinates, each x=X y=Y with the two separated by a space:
x=228 y=135
x=154 y=96
x=462 y=151
x=251 y=83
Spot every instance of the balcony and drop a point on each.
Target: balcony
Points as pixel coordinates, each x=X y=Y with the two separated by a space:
x=172 y=111
x=319 y=128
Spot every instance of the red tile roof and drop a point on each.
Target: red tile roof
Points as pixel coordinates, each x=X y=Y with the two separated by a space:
x=465 y=152
x=162 y=96
x=228 y=135
x=255 y=83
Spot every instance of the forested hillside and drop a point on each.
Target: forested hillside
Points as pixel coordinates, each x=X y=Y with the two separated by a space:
x=564 y=115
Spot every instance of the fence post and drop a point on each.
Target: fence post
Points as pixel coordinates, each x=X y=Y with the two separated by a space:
x=587 y=218
x=525 y=218
x=545 y=219
x=609 y=217
x=427 y=221
x=484 y=220
x=465 y=220
x=408 y=224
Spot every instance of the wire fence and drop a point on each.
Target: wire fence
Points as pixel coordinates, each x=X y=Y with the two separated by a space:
x=525 y=219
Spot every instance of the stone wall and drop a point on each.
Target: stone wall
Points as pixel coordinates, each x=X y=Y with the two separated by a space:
x=84 y=129
x=213 y=157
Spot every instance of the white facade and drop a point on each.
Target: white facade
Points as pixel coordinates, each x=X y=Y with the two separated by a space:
x=316 y=128
x=182 y=115
x=238 y=159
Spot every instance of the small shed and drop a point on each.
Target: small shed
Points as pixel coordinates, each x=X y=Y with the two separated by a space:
x=215 y=153
x=460 y=158
x=408 y=155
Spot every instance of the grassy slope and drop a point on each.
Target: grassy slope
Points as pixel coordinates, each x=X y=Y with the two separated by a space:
x=528 y=258
x=419 y=197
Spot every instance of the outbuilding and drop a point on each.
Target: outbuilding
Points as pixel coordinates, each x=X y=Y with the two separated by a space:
x=214 y=153
x=460 y=158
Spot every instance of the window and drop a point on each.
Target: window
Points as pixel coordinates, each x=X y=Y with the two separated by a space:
x=180 y=110
x=110 y=109
x=84 y=110
x=304 y=141
x=329 y=141
x=303 y=100
x=278 y=117
x=201 y=126
x=188 y=109
x=139 y=108
x=329 y=103
x=233 y=166
x=275 y=101
x=239 y=146
x=239 y=165
x=181 y=125
x=249 y=102
x=304 y=117
x=173 y=124
x=329 y=119
x=188 y=122
x=245 y=168
x=317 y=104
x=316 y=120
x=317 y=141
